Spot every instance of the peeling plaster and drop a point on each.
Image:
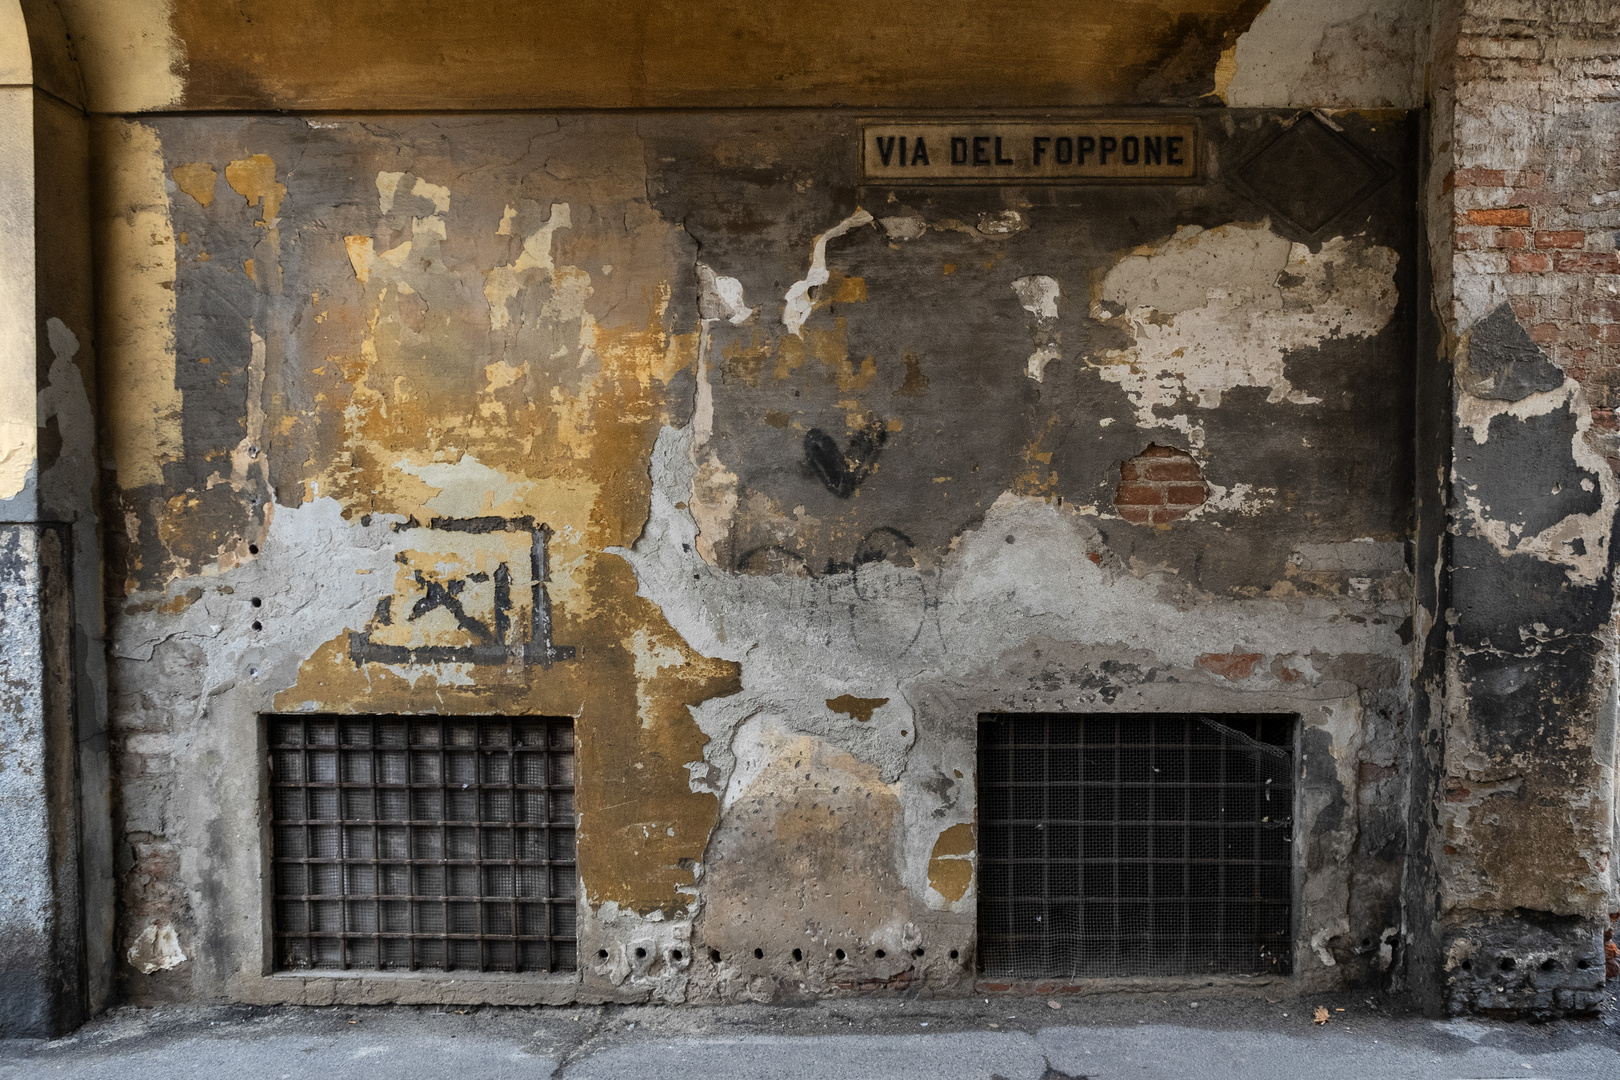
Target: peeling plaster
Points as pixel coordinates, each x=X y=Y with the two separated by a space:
x=17 y=457
x=1039 y=296
x=156 y=949
x=798 y=304
x=696 y=690
x=1353 y=54
x=1579 y=541
x=1210 y=310
x=504 y=282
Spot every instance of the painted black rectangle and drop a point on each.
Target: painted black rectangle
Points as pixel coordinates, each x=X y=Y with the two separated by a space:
x=423 y=843
x=1127 y=844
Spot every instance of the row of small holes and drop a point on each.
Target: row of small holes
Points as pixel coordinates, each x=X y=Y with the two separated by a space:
x=1508 y=964
x=798 y=954
x=759 y=954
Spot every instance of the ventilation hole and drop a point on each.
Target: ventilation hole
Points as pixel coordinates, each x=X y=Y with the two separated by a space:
x=953 y=954
x=917 y=952
x=798 y=954
x=714 y=956
x=1508 y=963
x=253 y=549
x=601 y=954
x=641 y=954
x=258 y=626
x=1549 y=964
x=1468 y=965
x=880 y=954
x=839 y=953
x=759 y=954
x=257 y=601
x=675 y=955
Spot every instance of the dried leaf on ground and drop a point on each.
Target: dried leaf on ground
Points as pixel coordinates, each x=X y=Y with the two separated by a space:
x=1321 y=1014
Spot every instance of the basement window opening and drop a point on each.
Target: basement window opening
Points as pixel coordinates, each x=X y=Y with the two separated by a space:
x=1131 y=844
x=423 y=843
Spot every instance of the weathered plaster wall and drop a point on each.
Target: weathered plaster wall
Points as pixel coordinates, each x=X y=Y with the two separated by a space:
x=829 y=471
x=1518 y=680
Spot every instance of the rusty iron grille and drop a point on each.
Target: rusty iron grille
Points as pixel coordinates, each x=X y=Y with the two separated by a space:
x=423 y=843
x=1114 y=845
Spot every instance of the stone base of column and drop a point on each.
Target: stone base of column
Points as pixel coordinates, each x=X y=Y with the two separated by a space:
x=41 y=936
x=1530 y=965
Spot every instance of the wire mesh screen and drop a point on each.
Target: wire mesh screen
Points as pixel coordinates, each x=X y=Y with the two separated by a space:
x=1135 y=845
x=408 y=843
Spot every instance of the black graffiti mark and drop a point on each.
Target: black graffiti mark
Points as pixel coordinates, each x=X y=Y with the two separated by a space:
x=842 y=471
x=769 y=559
x=487 y=648
x=884 y=544
x=503 y=602
x=446 y=595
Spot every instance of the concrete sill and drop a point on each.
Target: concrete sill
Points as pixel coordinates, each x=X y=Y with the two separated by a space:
x=416 y=988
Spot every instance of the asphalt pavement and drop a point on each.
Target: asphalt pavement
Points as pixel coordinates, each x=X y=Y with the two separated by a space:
x=1137 y=1036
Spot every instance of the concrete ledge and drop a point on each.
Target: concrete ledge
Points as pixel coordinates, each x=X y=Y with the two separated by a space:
x=423 y=988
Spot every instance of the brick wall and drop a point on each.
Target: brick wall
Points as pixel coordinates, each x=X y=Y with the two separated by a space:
x=1158 y=486
x=1535 y=182
x=1524 y=203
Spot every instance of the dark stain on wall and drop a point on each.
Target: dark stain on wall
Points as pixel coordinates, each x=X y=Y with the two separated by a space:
x=512 y=55
x=943 y=306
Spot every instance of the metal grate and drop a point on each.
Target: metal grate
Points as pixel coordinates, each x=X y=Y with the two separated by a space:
x=409 y=843
x=1135 y=844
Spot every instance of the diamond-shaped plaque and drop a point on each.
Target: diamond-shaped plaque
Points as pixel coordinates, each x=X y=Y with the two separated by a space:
x=1309 y=174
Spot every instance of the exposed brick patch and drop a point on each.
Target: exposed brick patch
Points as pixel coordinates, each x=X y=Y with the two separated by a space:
x=1586 y=262
x=1232 y=666
x=1476 y=178
x=1158 y=486
x=1560 y=238
x=1512 y=216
